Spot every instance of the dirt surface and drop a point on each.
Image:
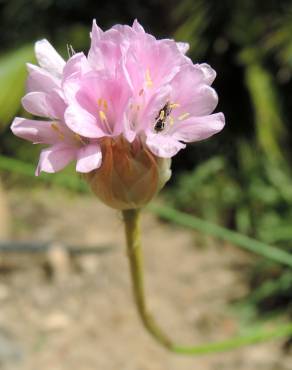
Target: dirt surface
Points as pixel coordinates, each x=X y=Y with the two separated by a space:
x=59 y=313
x=4 y=215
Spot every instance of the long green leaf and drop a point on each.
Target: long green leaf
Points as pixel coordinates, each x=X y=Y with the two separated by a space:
x=12 y=81
x=243 y=241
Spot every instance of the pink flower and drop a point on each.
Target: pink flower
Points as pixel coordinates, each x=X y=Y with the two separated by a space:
x=121 y=112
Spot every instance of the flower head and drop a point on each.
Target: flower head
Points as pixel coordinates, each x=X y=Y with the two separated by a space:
x=121 y=112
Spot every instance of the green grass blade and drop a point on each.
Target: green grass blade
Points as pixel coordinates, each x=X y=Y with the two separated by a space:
x=243 y=241
x=74 y=183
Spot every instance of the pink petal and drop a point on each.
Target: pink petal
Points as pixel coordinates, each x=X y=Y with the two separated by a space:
x=164 y=146
x=71 y=86
x=96 y=32
x=39 y=132
x=104 y=55
x=40 y=80
x=36 y=103
x=129 y=131
x=48 y=57
x=198 y=128
x=209 y=73
x=44 y=105
x=55 y=158
x=160 y=59
x=183 y=47
x=105 y=49
x=82 y=122
x=200 y=102
x=93 y=87
x=188 y=78
x=88 y=158
x=137 y=27
x=56 y=101
x=77 y=65
x=191 y=92
x=123 y=36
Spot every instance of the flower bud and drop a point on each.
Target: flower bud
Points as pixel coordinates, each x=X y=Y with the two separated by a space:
x=130 y=175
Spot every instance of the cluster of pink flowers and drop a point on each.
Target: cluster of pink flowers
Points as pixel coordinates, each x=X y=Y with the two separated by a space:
x=130 y=87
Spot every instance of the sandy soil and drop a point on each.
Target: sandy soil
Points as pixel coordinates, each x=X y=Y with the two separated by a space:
x=83 y=318
x=4 y=215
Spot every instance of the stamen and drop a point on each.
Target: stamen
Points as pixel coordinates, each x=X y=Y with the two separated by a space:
x=171 y=120
x=183 y=116
x=102 y=103
x=135 y=106
x=173 y=105
x=141 y=92
x=56 y=128
x=104 y=119
x=102 y=116
x=105 y=105
x=99 y=102
x=149 y=82
x=79 y=139
x=162 y=114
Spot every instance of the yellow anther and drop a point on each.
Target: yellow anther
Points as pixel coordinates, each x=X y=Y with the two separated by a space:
x=171 y=120
x=105 y=105
x=162 y=114
x=104 y=119
x=102 y=116
x=183 y=116
x=135 y=106
x=102 y=103
x=79 y=139
x=56 y=128
x=141 y=92
x=173 y=105
x=149 y=82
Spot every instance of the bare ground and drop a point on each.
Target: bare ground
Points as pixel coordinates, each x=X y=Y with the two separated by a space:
x=83 y=317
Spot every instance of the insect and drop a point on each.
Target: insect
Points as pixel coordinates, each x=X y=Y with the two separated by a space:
x=162 y=117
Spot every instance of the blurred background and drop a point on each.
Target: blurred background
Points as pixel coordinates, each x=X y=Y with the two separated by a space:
x=241 y=179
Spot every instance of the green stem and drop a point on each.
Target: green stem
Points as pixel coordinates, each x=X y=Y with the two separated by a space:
x=132 y=229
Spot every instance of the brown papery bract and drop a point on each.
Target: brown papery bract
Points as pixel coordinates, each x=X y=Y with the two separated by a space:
x=130 y=175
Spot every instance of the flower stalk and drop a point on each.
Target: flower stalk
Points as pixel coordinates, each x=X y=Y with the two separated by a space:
x=133 y=236
x=134 y=251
